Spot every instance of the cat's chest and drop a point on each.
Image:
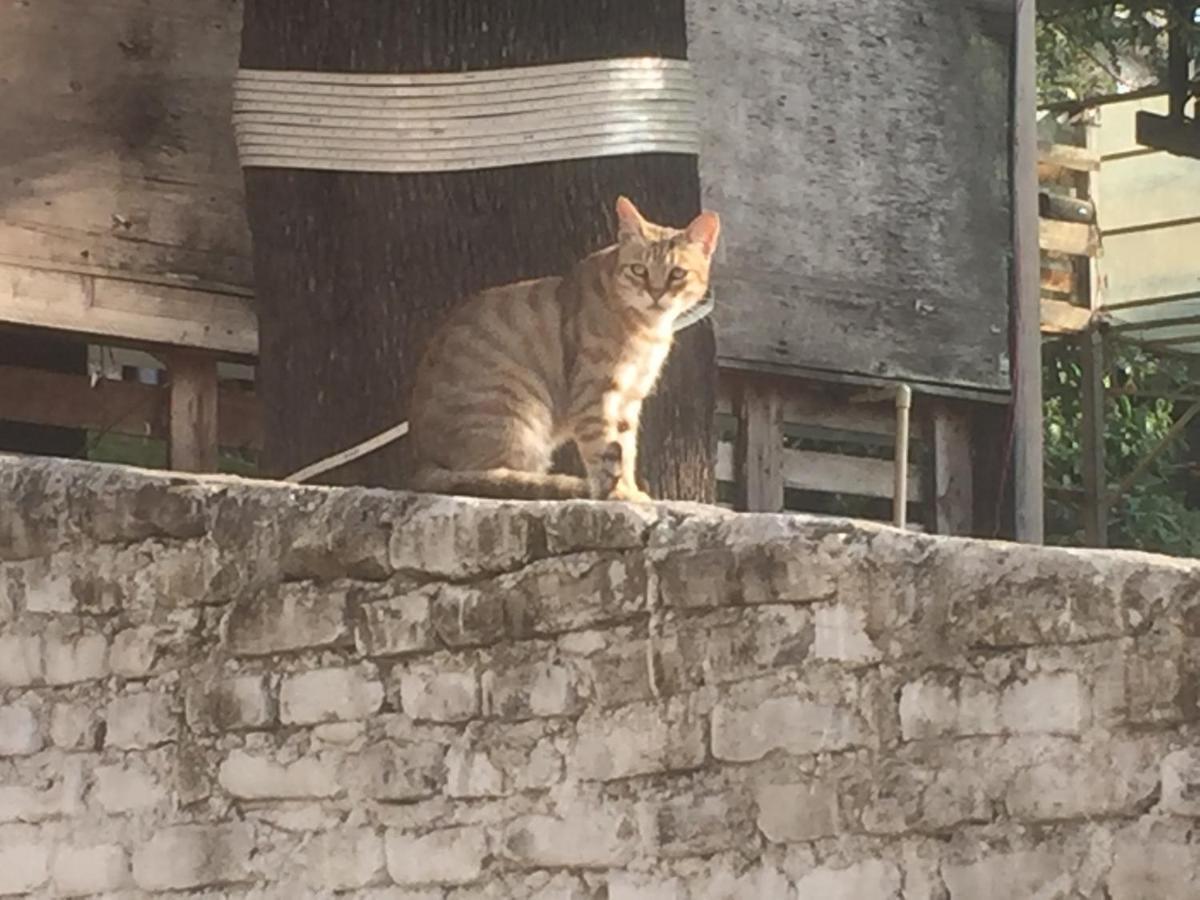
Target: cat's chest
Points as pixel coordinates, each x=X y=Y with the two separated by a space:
x=636 y=370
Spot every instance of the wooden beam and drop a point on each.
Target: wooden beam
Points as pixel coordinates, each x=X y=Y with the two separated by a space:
x=1074 y=238
x=193 y=422
x=128 y=311
x=119 y=407
x=1028 y=453
x=819 y=404
x=1060 y=317
x=1092 y=406
x=834 y=473
x=953 y=479
x=1060 y=281
x=758 y=453
x=1065 y=156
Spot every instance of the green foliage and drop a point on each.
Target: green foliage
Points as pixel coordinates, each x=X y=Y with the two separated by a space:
x=1092 y=47
x=1152 y=515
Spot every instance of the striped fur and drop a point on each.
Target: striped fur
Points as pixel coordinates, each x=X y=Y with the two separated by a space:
x=518 y=370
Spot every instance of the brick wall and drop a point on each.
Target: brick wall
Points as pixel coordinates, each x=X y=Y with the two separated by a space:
x=245 y=690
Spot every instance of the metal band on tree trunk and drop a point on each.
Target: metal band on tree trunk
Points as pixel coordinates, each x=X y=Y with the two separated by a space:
x=461 y=121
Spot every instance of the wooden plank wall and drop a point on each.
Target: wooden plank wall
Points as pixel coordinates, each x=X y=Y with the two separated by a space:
x=858 y=155
x=120 y=168
x=772 y=428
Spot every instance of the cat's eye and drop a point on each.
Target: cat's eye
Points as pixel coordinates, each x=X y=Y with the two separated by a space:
x=677 y=274
x=639 y=270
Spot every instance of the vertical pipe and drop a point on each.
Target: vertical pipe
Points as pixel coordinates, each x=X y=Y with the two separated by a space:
x=1027 y=363
x=900 y=491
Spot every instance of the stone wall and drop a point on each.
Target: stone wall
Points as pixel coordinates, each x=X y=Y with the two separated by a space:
x=247 y=690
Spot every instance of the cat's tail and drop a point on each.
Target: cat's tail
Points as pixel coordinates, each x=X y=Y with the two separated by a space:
x=500 y=484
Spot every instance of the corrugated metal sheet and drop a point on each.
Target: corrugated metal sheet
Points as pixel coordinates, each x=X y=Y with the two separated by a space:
x=468 y=120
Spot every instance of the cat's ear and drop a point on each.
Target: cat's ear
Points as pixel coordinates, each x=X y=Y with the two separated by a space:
x=704 y=231
x=629 y=221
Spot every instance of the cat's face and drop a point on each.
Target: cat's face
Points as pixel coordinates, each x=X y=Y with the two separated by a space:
x=661 y=271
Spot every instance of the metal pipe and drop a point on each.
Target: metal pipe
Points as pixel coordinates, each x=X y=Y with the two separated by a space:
x=900 y=491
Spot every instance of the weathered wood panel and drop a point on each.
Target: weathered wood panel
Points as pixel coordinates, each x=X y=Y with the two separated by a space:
x=1118 y=125
x=1149 y=189
x=1149 y=215
x=116 y=146
x=859 y=155
x=1155 y=262
x=127 y=310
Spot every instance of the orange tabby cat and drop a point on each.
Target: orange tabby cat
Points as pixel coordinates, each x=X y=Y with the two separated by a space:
x=518 y=370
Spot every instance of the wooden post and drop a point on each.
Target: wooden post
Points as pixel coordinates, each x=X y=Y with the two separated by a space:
x=1027 y=363
x=1091 y=401
x=193 y=428
x=953 y=476
x=758 y=453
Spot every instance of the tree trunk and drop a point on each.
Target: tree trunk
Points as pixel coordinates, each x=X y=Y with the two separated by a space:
x=354 y=270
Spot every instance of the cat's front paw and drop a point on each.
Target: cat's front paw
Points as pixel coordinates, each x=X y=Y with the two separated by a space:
x=629 y=493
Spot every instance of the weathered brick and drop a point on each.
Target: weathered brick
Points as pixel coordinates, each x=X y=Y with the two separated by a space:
x=21 y=660
x=346 y=538
x=471 y=773
x=841 y=634
x=252 y=777
x=328 y=695
x=345 y=859
x=697 y=579
x=802 y=568
x=791 y=724
x=95 y=869
x=709 y=819
x=440 y=694
x=194 y=856
x=558 y=595
x=1009 y=875
x=467 y=617
x=624 y=670
x=448 y=856
x=396 y=626
x=401 y=771
x=133 y=651
x=19 y=731
x=872 y=880
x=581 y=526
x=126 y=787
x=637 y=740
x=1067 y=781
x=720 y=883
x=24 y=867
x=451 y=539
x=586 y=836
x=140 y=721
x=293 y=616
x=1148 y=869
x=41 y=585
x=73 y=726
x=73 y=659
x=798 y=812
x=27 y=803
x=516 y=690
x=236 y=703
x=1050 y=703
x=1181 y=782
x=639 y=886
x=938 y=706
